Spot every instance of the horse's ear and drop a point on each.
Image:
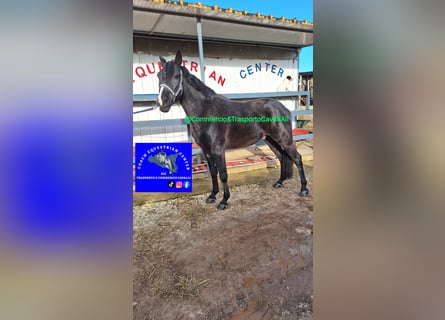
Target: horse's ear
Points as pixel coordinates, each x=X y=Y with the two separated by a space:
x=163 y=61
x=178 y=58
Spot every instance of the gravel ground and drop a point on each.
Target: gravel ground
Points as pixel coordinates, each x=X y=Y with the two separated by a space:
x=250 y=261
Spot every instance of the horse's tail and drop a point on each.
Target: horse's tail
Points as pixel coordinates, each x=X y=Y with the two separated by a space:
x=287 y=165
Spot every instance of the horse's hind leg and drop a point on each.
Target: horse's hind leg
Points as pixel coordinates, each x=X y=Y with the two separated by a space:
x=273 y=146
x=291 y=150
x=214 y=174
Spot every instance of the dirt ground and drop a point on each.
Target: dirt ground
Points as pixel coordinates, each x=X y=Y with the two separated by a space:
x=251 y=261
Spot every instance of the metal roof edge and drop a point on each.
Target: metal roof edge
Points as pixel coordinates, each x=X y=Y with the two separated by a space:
x=143 y=34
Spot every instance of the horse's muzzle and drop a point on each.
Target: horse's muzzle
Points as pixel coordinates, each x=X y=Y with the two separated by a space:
x=163 y=105
x=164 y=101
x=165 y=108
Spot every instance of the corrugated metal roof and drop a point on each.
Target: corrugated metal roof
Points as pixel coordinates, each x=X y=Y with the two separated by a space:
x=178 y=18
x=230 y=10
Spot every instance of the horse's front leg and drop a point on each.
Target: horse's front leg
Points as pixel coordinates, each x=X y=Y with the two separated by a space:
x=214 y=173
x=220 y=161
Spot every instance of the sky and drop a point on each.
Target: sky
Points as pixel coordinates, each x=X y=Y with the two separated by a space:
x=300 y=9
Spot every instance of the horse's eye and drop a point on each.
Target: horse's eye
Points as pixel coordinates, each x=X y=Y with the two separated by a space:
x=177 y=76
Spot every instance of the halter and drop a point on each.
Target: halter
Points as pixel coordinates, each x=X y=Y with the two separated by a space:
x=175 y=94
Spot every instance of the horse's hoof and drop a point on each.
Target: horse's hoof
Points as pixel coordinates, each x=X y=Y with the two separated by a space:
x=277 y=185
x=222 y=206
x=304 y=193
x=210 y=200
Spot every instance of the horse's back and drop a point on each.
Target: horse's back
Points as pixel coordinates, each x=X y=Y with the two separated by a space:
x=271 y=105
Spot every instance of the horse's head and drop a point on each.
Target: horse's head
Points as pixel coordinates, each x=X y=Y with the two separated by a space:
x=170 y=82
x=161 y=156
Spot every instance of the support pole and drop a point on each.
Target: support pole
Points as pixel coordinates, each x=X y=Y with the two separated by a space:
x=297 y=102
x=200 y=48
x=297 y=99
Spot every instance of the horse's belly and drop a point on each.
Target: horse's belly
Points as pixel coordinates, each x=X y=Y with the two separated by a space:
x=244 y=135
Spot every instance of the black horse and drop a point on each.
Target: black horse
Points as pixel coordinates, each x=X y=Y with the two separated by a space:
x=176 y=84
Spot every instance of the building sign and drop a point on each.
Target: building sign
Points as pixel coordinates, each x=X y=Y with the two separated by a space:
x=222 y=75
x=259 y=66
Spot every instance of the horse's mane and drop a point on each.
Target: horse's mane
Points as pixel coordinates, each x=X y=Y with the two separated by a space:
x=197 y=84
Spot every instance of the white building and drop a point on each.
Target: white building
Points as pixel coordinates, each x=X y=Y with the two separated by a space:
x=240 y=53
